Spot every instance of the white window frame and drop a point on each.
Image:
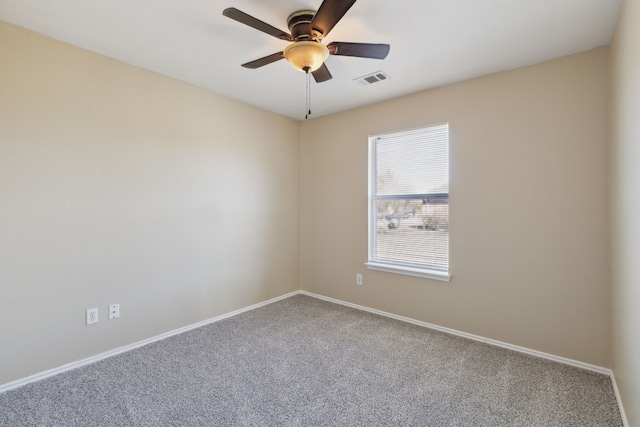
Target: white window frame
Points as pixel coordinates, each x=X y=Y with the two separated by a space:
x=410 y=269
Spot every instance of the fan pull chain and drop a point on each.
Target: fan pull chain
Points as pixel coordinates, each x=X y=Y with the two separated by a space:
x=308 y=106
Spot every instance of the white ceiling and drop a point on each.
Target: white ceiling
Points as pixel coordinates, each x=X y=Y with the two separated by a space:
x=433 y=42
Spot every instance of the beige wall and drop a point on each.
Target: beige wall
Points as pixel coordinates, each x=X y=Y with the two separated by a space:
x=122 y=186
x=118 y=185
x=625 y=202
x=529 y=226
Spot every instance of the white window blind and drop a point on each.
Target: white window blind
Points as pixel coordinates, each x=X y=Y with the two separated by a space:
x=409 y=201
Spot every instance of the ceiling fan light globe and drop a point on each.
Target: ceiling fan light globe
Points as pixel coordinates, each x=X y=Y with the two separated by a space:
x=306 y=56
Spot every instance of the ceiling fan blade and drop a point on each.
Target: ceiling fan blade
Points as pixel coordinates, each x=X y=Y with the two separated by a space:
x=328 y=15
x=362 y=50
x=264 y=61
x=322 y=74
x=249 y=20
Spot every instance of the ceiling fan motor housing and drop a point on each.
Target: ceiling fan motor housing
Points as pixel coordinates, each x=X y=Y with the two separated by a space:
x=299 y=25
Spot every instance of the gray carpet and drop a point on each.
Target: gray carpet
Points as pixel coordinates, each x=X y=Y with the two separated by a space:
x=306 y=362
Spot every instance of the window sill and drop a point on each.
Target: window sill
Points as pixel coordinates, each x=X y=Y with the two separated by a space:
x=409 y=271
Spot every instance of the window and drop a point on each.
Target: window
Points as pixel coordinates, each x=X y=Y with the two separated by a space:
x=409 y=202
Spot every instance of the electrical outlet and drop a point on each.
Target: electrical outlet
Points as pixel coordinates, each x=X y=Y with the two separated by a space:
x=114 y=311
x=92 y=316
x=359 y=279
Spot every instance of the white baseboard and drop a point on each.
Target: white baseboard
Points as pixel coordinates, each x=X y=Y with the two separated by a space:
x=564 y=360
x=101 y=356
x=106 y=354
x=536 y=353
x=623 y=415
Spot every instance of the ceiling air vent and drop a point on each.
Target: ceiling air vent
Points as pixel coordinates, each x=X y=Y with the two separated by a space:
x=376 y=77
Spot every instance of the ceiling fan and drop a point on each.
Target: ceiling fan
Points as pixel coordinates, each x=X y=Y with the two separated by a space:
x=306 y=51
